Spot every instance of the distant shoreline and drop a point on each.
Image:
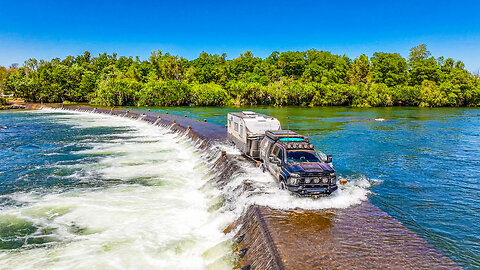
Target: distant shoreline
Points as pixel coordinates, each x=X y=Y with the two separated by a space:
x=21 y=105
x=308 y=78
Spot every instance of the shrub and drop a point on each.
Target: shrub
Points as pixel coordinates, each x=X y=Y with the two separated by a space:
x=208 y=94
x=164 y=93
x=431 y=96
x=112 y=92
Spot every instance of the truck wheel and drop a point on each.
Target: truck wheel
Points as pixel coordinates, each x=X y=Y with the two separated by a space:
x=283 y=186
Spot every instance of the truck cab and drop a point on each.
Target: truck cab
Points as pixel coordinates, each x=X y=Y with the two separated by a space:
x=293 y=161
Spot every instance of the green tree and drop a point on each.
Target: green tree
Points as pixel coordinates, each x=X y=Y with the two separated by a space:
x=209 y=94
x=431 y=96
x=422 y=67
x=164 y=93
x=292 y=63
x=389 y=68
x=207 y=68
x=360 y=70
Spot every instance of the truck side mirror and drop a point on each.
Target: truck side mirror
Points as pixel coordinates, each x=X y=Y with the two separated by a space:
x=274 y=160
x=329 y=159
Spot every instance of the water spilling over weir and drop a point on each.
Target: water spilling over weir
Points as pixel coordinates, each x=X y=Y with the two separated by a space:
x=266 y=228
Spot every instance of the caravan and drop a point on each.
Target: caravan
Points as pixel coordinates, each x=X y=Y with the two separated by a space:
x=247 y=129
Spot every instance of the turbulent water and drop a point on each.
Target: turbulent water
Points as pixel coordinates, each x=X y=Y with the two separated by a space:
x=89 y=191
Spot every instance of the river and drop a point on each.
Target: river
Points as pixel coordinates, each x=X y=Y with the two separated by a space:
x=85 y=191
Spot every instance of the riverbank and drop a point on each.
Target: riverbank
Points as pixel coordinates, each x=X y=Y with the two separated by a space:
x=19 y=104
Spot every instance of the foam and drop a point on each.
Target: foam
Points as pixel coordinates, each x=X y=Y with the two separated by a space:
x=263 y=190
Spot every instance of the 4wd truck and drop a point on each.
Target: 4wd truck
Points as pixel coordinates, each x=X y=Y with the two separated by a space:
x=290 y=157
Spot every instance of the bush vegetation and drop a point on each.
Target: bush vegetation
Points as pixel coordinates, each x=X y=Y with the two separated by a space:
x=315 y=78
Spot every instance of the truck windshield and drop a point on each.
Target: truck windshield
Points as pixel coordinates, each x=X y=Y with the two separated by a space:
x=302 y=156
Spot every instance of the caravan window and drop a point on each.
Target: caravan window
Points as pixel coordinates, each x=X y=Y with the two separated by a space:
x=241 y=131
x=235 y=127
x=230 y=122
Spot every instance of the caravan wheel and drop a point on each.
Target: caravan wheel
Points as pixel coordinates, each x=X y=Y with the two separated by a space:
x=262 y=167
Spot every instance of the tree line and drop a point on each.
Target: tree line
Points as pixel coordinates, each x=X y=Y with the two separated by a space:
x=315 y=78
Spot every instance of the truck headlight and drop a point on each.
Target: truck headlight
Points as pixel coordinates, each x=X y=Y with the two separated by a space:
x=308 y=180
x=293 y=181
x=325 y=180
x=295 y=175
x=316 y=180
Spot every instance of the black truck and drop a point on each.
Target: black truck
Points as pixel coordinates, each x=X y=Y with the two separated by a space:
x=292 y=159
x=289 y=156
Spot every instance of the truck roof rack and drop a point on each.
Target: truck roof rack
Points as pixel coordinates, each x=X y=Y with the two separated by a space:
x=290 y=140
x=284 y=135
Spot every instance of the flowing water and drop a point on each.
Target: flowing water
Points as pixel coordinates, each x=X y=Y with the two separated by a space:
x=87 y=191
x=82 y=191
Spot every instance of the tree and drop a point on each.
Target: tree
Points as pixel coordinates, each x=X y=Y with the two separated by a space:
x=431 y=96
x=207 y=67
x=360 y=70
x=418 y=53
x=3 y=75
x=389 y=68
x=242 y=66
x=292 y=63
x=421 y=67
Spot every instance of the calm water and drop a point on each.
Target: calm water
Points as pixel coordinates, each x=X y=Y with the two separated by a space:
x=426 y=163
x=98 y=191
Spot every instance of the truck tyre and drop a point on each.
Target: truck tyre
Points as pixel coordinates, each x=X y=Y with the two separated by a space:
x=282 y=183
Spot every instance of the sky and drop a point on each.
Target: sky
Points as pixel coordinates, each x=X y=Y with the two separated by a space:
x=48 y=29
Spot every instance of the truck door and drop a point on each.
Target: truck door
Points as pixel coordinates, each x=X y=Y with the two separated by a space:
x=265 y=150
x=279 y=166
x=275 y=168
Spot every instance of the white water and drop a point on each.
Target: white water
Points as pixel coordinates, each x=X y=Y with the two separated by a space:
x=264 y=190
x=164 y=210
x=162 y=224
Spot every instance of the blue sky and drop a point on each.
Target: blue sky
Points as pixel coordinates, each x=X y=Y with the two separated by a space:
x=48 y=29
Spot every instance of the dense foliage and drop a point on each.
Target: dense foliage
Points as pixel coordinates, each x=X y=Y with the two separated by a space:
x=315 y=78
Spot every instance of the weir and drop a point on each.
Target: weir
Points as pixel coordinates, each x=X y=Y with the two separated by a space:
x=359 y=237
